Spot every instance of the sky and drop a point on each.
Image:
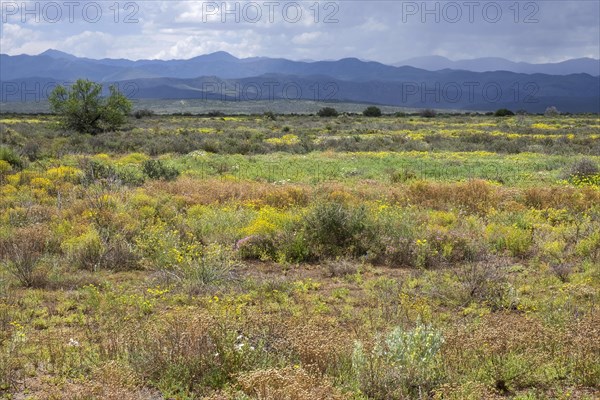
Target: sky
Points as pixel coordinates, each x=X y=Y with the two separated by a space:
x=384 y=31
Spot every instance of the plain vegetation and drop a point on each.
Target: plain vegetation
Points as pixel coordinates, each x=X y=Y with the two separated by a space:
x=300 y=257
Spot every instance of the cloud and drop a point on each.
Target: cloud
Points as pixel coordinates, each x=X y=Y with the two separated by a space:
x=373 y=25
x=14 y=36
x=306 y=38
x=385 y=31
x=88 y=43
x=240 y=43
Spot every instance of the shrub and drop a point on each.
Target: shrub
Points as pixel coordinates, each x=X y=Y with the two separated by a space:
x=590 y=246
x=8 y=155
x=215 y=267
x=144 y=112
x=270 y=116
x=119 y=255
x=517 y=241
x=327 y=112
x=5 y=169
x=583 y=168
x=404 y=362
x=156 y=169
x=31 y=150
x=186 y=262
x=372 y=111
x=183 y=355
x=341 y=267
x=22 y=253
x=485 y=282
x=503 y=112
x=428 y=113
x=94 y=170
x=215 y=113
x=334 y=229
x=551 y=112
x=86 y=250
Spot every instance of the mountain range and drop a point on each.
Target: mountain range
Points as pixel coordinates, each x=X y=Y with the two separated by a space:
x=573 y=66
x=481 y=84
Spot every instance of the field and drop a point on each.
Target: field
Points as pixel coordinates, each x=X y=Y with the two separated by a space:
x=201 y=106
x=296 y=257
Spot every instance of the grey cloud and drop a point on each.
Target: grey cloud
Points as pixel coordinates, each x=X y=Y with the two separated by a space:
x=387 y=31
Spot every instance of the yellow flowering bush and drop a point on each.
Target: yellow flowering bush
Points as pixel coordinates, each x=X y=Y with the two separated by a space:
x=285 y=140
x=86 y=250
x=65 y=173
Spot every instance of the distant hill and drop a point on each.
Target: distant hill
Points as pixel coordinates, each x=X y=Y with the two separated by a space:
x=221 y=76
x=574 y=66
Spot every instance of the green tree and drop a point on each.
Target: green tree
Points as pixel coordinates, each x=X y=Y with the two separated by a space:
x=327 y=112
x=503 y=112
x=83 y=109
x=372 y=111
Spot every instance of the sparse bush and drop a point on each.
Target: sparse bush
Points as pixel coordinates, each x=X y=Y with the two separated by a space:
x=485 y=282
x=22 y=253
x=327 y=112
x=372 y=111
x=562 y=271
x=583 y=168
x=31 y=150
x=507 y=271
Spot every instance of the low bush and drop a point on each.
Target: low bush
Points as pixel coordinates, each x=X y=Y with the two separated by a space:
x=156 y=169
x=144 y=112
x=12 y=158
x=583 y=168
x=428 y=113
x=405 y=362
x=22 y=252
x=287 y=383
x=334 y=229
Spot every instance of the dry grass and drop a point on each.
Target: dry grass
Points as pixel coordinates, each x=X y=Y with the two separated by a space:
x=289 y=383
